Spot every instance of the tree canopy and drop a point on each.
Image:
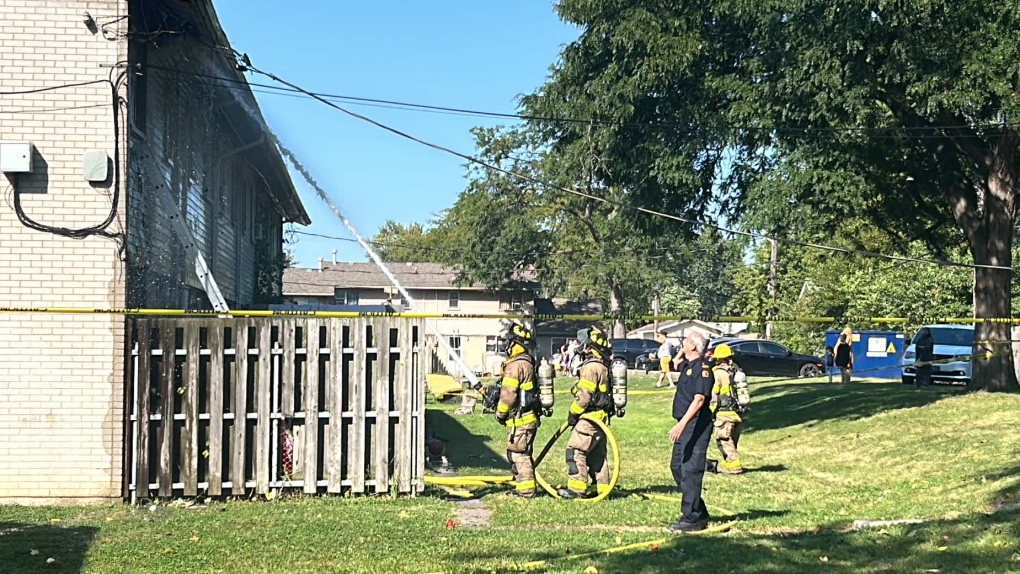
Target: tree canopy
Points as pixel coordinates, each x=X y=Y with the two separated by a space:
x=903 y=114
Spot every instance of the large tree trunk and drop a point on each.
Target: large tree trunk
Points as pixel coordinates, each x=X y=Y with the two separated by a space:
x=616 y=308
x=991 y=243
x=993 y=357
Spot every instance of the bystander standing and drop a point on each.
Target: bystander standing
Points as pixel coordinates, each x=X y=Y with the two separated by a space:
x=844 y=354
x=665 y=355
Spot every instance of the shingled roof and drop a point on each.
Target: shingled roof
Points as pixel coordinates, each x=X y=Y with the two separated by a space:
x=560 y=306
x=364 y=275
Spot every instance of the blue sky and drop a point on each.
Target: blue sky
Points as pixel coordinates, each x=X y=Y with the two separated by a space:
x=455 y=53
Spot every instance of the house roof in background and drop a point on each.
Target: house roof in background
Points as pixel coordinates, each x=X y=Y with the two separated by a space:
x=561 y=306
x=367 y=275
x=723 y=328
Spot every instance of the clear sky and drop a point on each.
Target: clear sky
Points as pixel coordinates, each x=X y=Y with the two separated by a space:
x=454 y=53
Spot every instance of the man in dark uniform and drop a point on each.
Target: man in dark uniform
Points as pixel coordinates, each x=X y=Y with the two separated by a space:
x=925 y=348
x=692 y=432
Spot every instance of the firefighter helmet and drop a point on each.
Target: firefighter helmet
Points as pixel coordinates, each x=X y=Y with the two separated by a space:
x=723 y=351
x=517 y=333
x=595 y=338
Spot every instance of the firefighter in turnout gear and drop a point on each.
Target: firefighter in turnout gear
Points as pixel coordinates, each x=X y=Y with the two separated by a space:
x=519 y=407
x=726 y=409
x=586 y=451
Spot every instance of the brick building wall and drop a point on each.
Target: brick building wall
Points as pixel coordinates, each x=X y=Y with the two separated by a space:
x=61 y=376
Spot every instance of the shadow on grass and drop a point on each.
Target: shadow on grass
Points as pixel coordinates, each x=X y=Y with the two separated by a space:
x=766 y=468
x=938 y=546
x=464 y=448
x=805 y=403
x=1009 y=494
x=66 y=546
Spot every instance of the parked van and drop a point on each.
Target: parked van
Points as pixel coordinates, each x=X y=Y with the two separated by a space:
x=951 y=342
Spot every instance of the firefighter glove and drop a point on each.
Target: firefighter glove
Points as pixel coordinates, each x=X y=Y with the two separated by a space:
x=573 y=418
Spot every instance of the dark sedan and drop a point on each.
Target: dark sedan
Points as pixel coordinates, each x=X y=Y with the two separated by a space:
x=632 y=350
x=765 y=358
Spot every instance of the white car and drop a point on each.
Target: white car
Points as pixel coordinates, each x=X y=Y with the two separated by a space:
x=954 y=345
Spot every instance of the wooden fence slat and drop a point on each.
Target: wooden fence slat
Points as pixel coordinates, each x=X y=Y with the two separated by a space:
x=393 y=458
x=167 y=332
x=402 y=402
x=335 y=404
x=356 y=386
x=238 y=469
x=287 y=372
x=263 y=384
x=418 y=402
x=189 y=433
x=381 y=396
x=142 y=327
x=310 y=394
x=216 y=382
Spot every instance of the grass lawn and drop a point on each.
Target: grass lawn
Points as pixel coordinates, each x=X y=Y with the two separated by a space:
x=818 y=456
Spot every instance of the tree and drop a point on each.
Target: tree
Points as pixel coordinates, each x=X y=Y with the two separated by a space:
x=582 y=248
x=823 y=284
x=415 y=243
x=289 y=241
x=837 y=109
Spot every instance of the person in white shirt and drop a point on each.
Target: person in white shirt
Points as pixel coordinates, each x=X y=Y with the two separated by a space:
x=665 y=355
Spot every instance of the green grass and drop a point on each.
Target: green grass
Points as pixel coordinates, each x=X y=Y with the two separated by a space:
x=819 y=456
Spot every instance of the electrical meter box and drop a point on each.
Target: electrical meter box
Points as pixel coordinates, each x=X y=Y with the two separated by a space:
x=16 y=157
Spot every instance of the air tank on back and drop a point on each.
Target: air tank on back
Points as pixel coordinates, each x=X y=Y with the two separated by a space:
x=546 y=374
x=618 y=374
x=740 y=386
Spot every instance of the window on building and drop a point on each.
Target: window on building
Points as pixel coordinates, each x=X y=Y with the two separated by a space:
x=455 y=346
x=491 y=344
x=556 y=343
x=512 y=301
x=454 y=299
x=346 y=296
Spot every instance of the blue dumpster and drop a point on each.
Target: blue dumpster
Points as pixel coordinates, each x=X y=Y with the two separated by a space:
x=877 y=354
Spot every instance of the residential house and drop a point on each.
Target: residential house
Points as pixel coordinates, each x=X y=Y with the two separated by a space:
x=433 y=287
x=552 y=334
x=680 y=329
x=129 y=166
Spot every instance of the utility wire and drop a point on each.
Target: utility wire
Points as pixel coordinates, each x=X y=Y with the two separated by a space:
x=52 y=88
x=620 y=204
x=648 y=252
x=49 y=110
x=411 y=106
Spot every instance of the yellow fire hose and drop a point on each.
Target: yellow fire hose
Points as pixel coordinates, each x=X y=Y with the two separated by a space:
x=616 y=460
x=479 y=481
x=449 y=483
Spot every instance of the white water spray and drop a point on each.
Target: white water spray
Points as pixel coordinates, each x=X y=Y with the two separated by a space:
x=371 y=253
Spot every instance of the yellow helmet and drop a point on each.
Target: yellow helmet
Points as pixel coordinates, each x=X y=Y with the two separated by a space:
x=722 y=352
x=517 y=333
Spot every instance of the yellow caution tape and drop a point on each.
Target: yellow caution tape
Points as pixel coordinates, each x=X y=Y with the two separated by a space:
x=251 y=313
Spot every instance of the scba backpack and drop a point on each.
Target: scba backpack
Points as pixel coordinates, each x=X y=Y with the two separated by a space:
x=740 y=392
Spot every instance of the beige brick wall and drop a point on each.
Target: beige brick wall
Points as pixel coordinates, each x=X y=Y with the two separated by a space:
x=61 y=376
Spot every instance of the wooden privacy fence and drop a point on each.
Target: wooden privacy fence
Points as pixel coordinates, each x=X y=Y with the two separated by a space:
x=237 y=406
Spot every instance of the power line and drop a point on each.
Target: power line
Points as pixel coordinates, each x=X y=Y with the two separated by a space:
x=48 y=110
x=647 y=252
x=620 y=204
x=52 y=88
x=917 y=132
